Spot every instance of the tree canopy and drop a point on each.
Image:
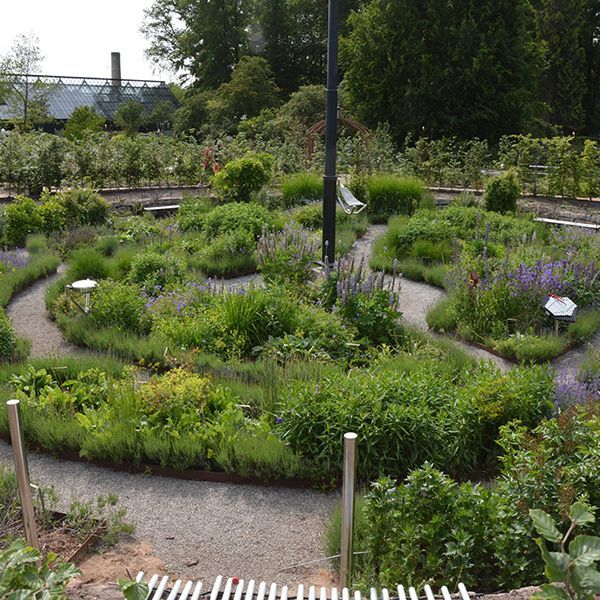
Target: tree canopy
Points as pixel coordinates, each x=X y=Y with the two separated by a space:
x=464 y=68
x=26 y=98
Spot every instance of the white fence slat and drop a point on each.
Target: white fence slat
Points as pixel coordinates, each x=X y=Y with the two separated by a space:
x=300 y=592
x=312 y=593
x=185 y=592
x=214 y=594
x=197 y=591
x=161 y=587
x=175 y=590
x=262 y=590
x=323 y=593
x=273 y=592
x=345 y=594
x=284 y=593
x=401 y=593
x=250 y=589
x=463 y=591
x=239 y=590
x=413 y=593
x=428 y=592
x=445 y=593
x=227 y=590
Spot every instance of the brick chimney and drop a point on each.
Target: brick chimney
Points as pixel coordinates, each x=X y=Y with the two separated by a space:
x=115 y=70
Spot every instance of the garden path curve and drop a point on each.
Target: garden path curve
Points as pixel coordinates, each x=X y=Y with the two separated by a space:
x=416 y=298
x=30 y=319
x=202 y=529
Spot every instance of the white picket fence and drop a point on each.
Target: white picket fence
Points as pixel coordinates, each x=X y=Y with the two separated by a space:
x=160 y=588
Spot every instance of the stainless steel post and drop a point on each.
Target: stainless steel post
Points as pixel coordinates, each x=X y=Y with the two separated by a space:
x=348 y=493
x=16 y=437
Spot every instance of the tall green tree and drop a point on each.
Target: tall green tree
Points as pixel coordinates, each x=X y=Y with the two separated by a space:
x=295 y=38
x=251 y=90
x=25 y=97
x=590 y=40
x=203 y=39
x=561 y=25
x=468 y=68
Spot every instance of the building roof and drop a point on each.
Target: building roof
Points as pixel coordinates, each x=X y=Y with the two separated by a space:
x=64 y=94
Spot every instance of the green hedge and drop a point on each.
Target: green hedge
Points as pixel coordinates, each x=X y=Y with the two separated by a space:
x=40 y=265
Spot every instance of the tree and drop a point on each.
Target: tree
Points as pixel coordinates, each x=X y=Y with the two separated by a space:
x=590 y=41
x=24 y=95
x=192 y=116
x=83 y=121
x=251 y=90
x=560 y=29
x=130 y=116
x=203 y=38
x=464 y=68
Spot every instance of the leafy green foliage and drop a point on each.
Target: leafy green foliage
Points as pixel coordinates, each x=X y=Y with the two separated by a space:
x=20 y=576
x=226 y=218
x=84 y=120
x=575 y=567
x=410 y=417
x=119 y=305
x=392 y=48
x=240 y=178
x=431 y=529
x=133 y=590
x=130 y=116
x=502 y=193
x=8 y=340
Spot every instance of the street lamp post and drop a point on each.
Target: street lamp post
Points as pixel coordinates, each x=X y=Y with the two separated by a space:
x=330 y=179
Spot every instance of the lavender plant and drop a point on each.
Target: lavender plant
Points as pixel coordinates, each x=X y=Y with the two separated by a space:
x=286 y=257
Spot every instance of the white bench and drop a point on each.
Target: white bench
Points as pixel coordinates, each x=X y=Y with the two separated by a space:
x=230 y=589
x=568 y=223
x=349 y=203
x=166 y=207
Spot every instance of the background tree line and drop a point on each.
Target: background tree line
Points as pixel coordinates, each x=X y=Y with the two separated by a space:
x=467 y=68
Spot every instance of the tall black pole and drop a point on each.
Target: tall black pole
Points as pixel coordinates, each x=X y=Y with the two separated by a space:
x=330 y=179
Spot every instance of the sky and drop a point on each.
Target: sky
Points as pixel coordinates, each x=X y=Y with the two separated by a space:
x=76 y=37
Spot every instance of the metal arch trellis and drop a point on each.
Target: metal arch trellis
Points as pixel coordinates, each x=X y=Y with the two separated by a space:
x=318 y=128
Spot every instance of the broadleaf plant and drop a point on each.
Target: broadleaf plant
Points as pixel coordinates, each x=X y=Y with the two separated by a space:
x=575 y=567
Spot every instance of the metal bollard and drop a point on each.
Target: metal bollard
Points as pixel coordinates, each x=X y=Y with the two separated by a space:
x=16 y=437
x=348 y=493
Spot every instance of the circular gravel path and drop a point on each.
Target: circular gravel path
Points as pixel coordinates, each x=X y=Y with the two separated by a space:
x=201 y=529
x=27 y=311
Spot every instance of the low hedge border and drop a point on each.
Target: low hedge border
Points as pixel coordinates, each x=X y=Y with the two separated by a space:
x=40 y=266
x=187 y=474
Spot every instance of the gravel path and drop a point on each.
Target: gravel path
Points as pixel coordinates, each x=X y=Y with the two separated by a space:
x=416 y=298
x=27 y=311
x=200 y=529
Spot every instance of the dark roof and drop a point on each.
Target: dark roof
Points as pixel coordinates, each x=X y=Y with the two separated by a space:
x=65 y=94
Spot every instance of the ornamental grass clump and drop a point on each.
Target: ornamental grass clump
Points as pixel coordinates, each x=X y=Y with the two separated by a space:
x=286 y=257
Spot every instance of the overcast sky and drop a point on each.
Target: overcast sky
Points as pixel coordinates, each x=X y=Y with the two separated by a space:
x=76 y=37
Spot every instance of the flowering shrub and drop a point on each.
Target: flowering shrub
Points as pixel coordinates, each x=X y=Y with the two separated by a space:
x=364 y=301
x=13 y=259
x=287 y=256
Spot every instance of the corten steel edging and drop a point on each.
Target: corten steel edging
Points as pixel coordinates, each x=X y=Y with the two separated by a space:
x=79 y=554
x=187 y=474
